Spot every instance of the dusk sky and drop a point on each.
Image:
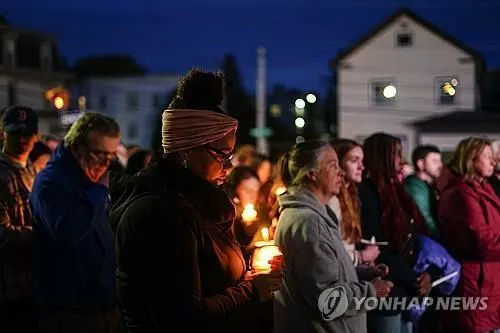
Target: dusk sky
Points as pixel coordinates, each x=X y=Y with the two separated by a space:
x=300 y=35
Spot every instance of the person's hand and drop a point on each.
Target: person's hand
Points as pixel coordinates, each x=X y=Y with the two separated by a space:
x=267 y=284
x=250 y=275
x=424 y=284
x=382 y=269
x=382 y=287
x=370 y=253
x=278 y=263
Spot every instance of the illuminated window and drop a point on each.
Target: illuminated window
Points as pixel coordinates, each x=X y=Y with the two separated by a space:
x=446 y=90
x=383 y=92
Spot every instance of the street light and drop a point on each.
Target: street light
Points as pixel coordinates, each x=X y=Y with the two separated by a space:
x=300 y=103
x=300 y=122
x=311 y=98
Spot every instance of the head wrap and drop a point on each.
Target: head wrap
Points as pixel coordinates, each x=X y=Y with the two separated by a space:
x=184 y=129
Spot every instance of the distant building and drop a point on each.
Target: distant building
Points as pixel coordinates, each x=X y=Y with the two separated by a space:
x=403 y=71
x=29 y=66
x=136 y=102
x=445 y=131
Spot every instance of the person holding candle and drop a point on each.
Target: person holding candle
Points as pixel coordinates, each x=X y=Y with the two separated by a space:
x=315 y=258
x=389 y=214
x=346 y=204
x=178 y=261
x=243 y=186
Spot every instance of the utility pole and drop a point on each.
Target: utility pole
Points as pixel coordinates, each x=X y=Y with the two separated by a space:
x=260 y=115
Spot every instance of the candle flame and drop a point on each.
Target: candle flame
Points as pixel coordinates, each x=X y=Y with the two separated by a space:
x=262 y=256
x=249 y=213
x=265 y=234
x=280 y=190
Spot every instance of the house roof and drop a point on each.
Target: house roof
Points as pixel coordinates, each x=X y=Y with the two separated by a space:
x=460 y=122
x=389 y=20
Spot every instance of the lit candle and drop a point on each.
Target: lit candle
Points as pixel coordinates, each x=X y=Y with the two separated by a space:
x=280 y=190
x=249 y=213
x=265 y=234
x=262 y=255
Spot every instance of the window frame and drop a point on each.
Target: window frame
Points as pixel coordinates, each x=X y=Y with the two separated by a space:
x=438 y=81
x=372 y=95
x=406 y=32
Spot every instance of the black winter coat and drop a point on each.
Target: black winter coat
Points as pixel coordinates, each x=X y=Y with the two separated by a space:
x=178 y=262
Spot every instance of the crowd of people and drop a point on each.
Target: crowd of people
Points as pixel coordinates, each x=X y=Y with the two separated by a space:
x=125 y=239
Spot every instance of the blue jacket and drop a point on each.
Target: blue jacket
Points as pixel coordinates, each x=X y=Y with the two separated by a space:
x=431 y=253
x=74 y=245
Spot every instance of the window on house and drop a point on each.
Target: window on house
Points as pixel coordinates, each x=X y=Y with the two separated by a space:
x=158 y=101
x=447 y=90
x=132 y=101
x=46 y=64
x=404 y=39
x=10 y=59
x=103 y=102
x=11 y=94
x=82 y=102
x=132 y=130
x=383 y=92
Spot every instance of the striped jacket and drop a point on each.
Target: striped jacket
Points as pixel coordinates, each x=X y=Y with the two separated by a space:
x=16 y=234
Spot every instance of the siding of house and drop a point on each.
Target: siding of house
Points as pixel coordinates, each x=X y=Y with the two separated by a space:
x=130 y=101
x=415 y=72
x=448 y=142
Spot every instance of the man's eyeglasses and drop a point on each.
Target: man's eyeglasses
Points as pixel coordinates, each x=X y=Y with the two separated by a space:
x=101 y=157
x=219 y=155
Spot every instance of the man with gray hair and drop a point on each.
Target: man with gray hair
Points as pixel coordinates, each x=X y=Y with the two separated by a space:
x=495 y=179
x=74 y=245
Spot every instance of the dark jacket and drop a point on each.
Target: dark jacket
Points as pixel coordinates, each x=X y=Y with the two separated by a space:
x=495 y=183
x=178 y=262
x=75 y=257
x=16 y=235
x=426 y=200
x=399 y=262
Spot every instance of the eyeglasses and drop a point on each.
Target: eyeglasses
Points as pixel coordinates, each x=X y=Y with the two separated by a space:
x=101 y=157
x=219 y=155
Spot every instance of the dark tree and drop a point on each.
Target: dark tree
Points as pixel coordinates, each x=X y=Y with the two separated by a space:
x=491 y=91
x=236 y=101
x=156 y=141
x=330 y=106
x=108 y=65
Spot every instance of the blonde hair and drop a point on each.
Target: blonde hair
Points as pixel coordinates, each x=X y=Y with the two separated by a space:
x=88 y=122
x=462 y=160
x=350 y=205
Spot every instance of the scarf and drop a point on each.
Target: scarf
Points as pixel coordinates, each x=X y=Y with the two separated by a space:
x=184 y=129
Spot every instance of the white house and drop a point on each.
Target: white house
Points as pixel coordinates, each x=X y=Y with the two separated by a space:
x=135 y=102
x=403 y=71
x=29 y=66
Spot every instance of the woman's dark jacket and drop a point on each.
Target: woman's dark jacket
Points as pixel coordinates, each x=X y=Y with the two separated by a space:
x=178 y=262
x=400 y=262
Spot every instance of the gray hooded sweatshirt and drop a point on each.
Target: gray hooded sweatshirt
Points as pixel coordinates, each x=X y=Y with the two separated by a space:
x=315 y=262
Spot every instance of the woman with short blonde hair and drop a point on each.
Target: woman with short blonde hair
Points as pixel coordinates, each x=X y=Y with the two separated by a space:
x=469 y=213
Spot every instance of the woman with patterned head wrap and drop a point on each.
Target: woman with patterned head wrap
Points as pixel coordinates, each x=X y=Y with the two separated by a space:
x=178 y=260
